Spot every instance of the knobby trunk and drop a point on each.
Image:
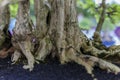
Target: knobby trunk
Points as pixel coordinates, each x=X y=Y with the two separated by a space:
x=56 y=32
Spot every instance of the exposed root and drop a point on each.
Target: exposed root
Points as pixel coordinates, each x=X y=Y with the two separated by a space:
x=41 y=53
x=25 y=46
x=63 y=59
x=61 y=28
x=92 y=50
x=102 y=63
x=15 y=56
x=101 y=50
x=89 y=62
x=44 y=49
x=71 y=56
x=114 y=50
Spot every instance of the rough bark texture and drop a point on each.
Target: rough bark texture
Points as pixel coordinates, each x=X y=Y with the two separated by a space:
x=66 y=40
x=97 y=37
x=57 y=33
x=42 y=11
x=5 y=38
x=22 y=35
x=4 y=22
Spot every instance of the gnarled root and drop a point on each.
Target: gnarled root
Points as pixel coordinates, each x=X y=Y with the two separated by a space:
x=15 y=56
x=114 y=50
x=25 y=46
x=101 y=63
x=73 y=56
x=90 y=61
x=92 y=50
x=105 y=52
x=41 y=53
x=44 y=49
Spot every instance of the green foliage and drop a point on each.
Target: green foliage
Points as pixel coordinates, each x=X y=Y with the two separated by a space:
x=113 y=13
x=107 y=25
x=86 y=23
x=86 y=7
x=91 y=10
x=13 y=9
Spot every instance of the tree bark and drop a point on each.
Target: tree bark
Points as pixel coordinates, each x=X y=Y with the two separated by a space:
x=4 y=23
x=22 y=35
x=97 y=37
x=63 y=38
x=5 y=37
x=57 y=33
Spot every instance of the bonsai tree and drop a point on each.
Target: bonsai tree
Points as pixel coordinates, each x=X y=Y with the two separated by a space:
x=56 y=34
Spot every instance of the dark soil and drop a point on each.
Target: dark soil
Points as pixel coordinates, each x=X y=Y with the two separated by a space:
x=51 y=70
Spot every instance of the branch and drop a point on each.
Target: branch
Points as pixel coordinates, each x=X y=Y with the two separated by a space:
x=96 y=36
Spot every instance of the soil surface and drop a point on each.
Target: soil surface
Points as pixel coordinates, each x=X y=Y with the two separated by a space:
x=51 y=70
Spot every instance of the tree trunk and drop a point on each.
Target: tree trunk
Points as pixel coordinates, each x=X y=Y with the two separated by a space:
x=62 y=37
x=5 y=37
x=22 y=35
x=97 y=37
x=57 y=32
x=4 y=23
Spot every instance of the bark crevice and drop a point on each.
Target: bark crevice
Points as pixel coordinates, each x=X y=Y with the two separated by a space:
x=57 y=33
